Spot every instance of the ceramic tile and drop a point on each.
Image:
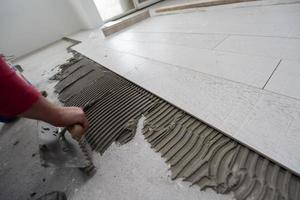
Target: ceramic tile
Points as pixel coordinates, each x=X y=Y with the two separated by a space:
x=281 y=21
x=251 y=70
x=286 y=48
x=202 y=41
x=219 y=87
x=286 y=79
x=242 y=112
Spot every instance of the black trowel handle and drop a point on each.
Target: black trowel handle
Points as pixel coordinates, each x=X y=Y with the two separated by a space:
x=76 y=131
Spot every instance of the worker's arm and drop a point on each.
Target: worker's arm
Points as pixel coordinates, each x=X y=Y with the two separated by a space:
x=55 y=115
x=18 y=98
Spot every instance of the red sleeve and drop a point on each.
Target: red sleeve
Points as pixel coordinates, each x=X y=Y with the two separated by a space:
x=16 y=95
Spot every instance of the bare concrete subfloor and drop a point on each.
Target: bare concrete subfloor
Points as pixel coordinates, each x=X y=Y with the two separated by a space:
x=121 y=170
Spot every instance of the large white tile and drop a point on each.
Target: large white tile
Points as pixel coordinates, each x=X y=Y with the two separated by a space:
x=202 y=41
x=273 y=125
x=280 y=20
x=287 y=48
x=246 y=4
x=258 y=118
x=187 y=75
x=286 y=79
x=251 y=70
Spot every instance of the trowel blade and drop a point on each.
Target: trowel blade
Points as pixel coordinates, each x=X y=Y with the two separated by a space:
x=55 y=152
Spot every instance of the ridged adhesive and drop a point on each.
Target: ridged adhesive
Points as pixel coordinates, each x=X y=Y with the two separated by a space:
x=195 y=151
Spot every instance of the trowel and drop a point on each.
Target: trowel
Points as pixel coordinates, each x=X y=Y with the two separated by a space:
x=58 y=149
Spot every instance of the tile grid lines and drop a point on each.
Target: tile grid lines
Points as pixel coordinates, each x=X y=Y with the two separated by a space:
x=231 y=34
x=284 y=95
x=225 y=38
x=272 y=74
x=205 y=120
x=152 y=42
x=180 y=67
x=214 y=49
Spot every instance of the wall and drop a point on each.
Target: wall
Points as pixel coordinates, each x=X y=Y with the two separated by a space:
x=88 y=13
x=32 y=24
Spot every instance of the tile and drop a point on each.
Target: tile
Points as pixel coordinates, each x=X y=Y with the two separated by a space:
x=107 y=57
x=280 y=21
x=276 y=120
x=286 y=48
x=221 y=88
x=251 y=70
x=202 y=41
x=286 y=79
x=244 y=113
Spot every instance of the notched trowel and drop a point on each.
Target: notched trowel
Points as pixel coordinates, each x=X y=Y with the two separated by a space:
x=58 y=149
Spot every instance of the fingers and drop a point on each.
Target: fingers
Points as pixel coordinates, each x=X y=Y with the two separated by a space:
x=82 y=118
x=77 y=131
x=85 y=123
x=76 y=121
x=69 y=116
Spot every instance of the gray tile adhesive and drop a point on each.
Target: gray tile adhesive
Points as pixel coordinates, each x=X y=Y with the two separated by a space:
x=195 y=151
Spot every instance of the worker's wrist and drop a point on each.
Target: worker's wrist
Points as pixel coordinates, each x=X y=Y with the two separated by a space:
x=50 y=112
x=56 y=116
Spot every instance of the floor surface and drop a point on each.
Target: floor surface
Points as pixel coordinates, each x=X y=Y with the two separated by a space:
x=257 y=102
x=233 y=66
x=121 y=170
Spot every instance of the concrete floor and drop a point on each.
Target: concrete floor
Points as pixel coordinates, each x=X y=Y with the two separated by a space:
x=135 y=171
x=20 y=171
x=235 y=66
x=121 y=170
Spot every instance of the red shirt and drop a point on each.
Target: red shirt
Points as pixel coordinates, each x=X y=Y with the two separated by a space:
x=16 y=95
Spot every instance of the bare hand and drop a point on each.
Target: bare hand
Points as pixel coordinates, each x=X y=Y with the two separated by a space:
x=69 y=116
x=56 y=115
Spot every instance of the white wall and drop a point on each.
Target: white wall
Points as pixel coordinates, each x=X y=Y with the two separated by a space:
x=26 y=25
x=88 y=13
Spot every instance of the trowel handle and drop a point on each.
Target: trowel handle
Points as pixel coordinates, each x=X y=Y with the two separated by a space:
x=76 y=131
